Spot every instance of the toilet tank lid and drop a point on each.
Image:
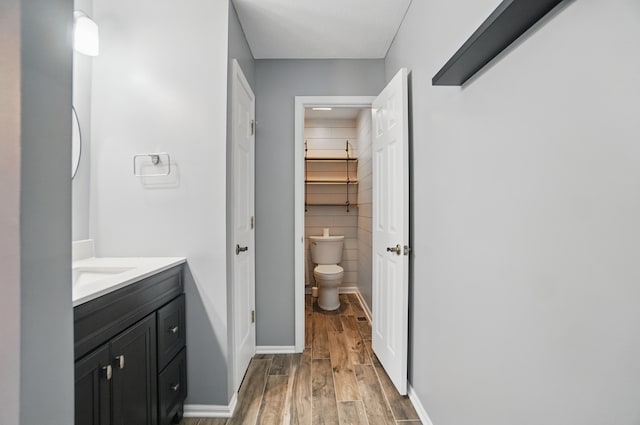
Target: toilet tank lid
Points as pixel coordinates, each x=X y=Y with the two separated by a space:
x=327 y=238
x=329 y=269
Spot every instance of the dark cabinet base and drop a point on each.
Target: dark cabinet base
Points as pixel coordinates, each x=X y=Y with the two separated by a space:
x=118 y=377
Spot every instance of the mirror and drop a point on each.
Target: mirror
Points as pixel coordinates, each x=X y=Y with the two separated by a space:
x=76 y=143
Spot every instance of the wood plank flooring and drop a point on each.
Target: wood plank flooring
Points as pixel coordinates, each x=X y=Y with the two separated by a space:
x=337 y=380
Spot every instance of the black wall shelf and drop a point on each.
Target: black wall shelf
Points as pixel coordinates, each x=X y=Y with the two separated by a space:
x=510 y=20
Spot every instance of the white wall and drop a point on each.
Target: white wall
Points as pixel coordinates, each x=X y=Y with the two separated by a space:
x=526 y=303
x=10 y=212
x=82 y=103
x=365 y=193
x=159 y=84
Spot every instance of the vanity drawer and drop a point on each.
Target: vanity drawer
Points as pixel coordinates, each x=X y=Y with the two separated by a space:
x=171 y=330
x=172 y=390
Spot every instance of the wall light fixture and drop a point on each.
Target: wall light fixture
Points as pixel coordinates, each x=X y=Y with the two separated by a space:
x=85 y=34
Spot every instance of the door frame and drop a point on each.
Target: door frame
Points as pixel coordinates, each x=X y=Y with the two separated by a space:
x=237 y=77
x=301 y=103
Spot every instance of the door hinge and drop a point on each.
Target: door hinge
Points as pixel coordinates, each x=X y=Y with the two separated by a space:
x=252 y=222
x=253 y=127
x=253 y=316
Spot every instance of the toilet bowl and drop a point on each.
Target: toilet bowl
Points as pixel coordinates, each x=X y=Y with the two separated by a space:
x=328 y=279
x=326 y=253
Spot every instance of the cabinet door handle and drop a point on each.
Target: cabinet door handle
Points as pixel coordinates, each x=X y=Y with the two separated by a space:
x=120 y=360
x=174 y=329
x=108 y=371
x=174 y=387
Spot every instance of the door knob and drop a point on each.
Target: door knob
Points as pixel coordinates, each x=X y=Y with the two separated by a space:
x=240 y=249
x=397 y=249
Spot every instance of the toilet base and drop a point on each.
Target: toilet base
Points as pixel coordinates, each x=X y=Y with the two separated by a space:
x=328 y=299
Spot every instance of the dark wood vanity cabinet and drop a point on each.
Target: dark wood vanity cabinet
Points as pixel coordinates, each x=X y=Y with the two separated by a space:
x=137 y=375
x=134 y=383
x=172 y=361
x=92 y=388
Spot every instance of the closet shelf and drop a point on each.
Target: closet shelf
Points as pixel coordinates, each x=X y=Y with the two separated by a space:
x=329 y=159
x=335 y=176
x=331 y=181
x=318 y=204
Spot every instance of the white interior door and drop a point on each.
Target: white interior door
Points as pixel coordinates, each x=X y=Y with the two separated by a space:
x=390 y=274
x=243 y=252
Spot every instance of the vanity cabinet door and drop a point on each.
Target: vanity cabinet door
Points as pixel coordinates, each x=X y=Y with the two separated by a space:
x=134 y=374
x=92 y=381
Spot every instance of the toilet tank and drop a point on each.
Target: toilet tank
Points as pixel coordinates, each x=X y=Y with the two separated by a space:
x=326 y=249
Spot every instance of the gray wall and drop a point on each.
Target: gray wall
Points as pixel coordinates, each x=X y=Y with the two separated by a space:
x=10 y=211
x=158 y=87
x=239 y=50
x=526 y=231
x=46 y=369
x=82 y=103
x=277 y=84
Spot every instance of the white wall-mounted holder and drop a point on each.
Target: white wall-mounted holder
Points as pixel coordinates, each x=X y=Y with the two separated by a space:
x=151 y=161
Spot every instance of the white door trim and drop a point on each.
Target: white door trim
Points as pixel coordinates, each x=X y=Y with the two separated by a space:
x=302 y=102
x=237 y=375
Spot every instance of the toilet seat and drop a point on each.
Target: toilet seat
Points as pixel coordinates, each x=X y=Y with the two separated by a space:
x=328 y=271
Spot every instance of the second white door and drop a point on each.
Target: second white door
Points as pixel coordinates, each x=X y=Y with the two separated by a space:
x=242 y=249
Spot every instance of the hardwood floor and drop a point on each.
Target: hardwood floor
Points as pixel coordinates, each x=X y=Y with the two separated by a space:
x=337 y=380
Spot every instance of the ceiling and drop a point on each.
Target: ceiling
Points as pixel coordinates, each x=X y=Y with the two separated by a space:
x=320 y=29
x=334 y=114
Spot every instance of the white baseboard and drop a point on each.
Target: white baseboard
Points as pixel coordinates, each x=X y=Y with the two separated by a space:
x=348 y=290
x=211 y=410
x=420 y=410
x=341 y=290
x=275 y=349
x=364 y=305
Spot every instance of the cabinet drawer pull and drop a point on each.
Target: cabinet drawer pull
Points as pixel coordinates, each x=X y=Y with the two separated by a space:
x=174 y=329
x=108 y=372
x=174 y=387
x=120 y=359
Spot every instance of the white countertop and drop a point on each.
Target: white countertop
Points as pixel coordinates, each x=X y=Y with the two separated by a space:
x=94 y=277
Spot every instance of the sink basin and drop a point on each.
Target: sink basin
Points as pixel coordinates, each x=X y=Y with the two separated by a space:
x=93 y=277
x=84 y=275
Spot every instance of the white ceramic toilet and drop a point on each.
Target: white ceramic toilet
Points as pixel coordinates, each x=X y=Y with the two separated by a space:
x=326 y=253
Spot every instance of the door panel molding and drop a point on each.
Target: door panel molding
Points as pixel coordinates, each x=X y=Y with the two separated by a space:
x=390 y=327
